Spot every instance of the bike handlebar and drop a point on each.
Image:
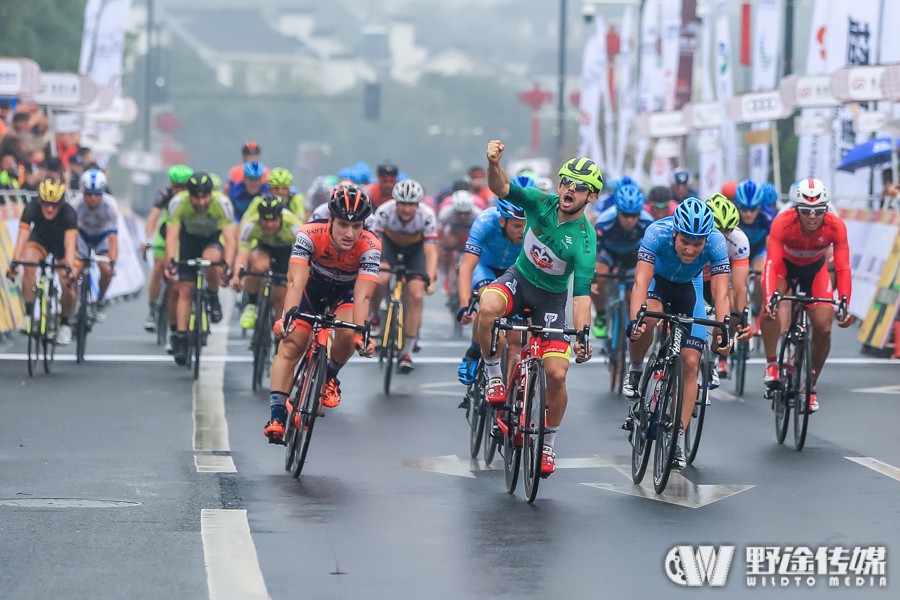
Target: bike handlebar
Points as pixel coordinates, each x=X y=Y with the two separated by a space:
x=683 y=320
x=41 y=264
x=499 y=325
x=842 y=304
x=328 y=321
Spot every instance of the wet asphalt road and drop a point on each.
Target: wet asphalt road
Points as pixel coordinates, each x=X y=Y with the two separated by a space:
x=389 y=505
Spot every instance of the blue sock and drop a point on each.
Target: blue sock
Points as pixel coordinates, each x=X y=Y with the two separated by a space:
x=279 y=410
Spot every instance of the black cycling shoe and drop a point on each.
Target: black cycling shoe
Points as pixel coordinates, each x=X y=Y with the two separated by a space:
x=631 y=385
x=215 y=308
x=180 y=348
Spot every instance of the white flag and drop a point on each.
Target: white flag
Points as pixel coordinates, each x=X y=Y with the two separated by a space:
x=626 y=92
x=650 y=82
x=814 y=151
x=766 y=36
x=725 y=86
x=593 y=78
x=709 y=140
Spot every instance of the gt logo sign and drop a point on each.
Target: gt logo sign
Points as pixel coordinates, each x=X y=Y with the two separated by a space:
x=705 y=566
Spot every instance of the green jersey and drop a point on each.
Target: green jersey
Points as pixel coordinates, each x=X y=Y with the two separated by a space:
x=295 y=203
x=217 y=217
x=286 y=236
x=551 y=250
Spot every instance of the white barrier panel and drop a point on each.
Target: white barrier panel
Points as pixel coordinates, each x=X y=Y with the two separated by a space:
x=130 y=266
x=871 y=235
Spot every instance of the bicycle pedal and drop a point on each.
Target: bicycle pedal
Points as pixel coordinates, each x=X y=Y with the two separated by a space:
x=464 y=404
x=628 y=425
x=276 y=441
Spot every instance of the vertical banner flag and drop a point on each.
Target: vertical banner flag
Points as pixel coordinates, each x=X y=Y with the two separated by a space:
x=671 y=30
x=889 y=53
x=91 y=16
x=606 y=103
x=105 y=59
x=725 y=86
x=650 y=82
x=766 y=34
x=852 y=39
x=626 y=111
x=593 y=78
x=814 y=151
x=709 y=142
x=687 y=41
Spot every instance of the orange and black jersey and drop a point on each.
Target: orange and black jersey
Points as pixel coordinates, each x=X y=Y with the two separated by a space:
x=313 y=247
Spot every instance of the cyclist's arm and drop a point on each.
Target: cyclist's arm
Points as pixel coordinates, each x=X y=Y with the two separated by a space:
x=718 y=285
x=113 y=246
x=740 y=273
x=431 y=261
x=581 y=311
x=362 y=298
x=842 y=260
x=229 y=235
x=774 y=256
x=172 y=229
x=22 y=239
x=497 y=178
x=152 y=222
x=298 y=275
x=643 y=275
x=70 y=243
x=720 y=270
x=464 y=282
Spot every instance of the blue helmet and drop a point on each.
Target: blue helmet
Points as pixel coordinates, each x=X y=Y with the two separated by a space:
x=693 y=218
x=346 y=173
x=629 y=198
x=509 y=210
x=254 y=169
x=749 y=195
x=770 y=194
x=680 y=177
x=523 y=181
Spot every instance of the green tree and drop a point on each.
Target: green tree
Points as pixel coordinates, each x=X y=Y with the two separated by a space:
x=46 y=31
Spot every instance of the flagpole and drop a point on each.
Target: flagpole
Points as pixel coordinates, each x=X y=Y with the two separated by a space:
x=561 y=84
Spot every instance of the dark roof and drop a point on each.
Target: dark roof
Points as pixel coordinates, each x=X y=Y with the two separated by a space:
x=240 y=31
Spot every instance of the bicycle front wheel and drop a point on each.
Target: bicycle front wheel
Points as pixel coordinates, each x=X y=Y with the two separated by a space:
x=739 y=366
x=641 y=440
x=162 y=314
x=802 y=385
x=200 y=316
x=51 y=329
x=695 y=425
x=390 y=347
x=512 y=440
x=81 y=327
x=535 y=413
x=670 y=403
x=262 y=343
x=34 y=337
x=477 y=411
x=781 y=397
x=309 y=411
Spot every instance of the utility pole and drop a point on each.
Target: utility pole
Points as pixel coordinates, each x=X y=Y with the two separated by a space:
x=560 y=92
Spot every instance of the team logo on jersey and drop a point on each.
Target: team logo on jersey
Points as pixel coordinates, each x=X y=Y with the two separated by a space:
x=541 y=257
x=549 y=319
x=567 y=241
x=512 y=284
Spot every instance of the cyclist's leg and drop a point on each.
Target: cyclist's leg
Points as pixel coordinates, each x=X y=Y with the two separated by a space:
x=821 y=318
x=33 y=252
x=258 y=261
x=599 y=297
x=771 y=328
x=214 y=277
x=341 y=350
x=290 y=350
x=106 y=275
x=279 y=259
x=482 y=275
x=501 y=298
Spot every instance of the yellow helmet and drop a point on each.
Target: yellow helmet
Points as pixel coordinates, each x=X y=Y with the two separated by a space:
x=51 y=190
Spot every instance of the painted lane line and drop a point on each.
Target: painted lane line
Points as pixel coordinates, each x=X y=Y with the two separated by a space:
x=877 y=466
x=887 y=389
x=232 y=567
x=214 y=463
x=210 y=425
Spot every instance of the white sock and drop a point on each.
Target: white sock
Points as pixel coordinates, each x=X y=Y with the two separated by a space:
x=637 y=366
x=550 y=436
x=409 y=345
x=493 y=368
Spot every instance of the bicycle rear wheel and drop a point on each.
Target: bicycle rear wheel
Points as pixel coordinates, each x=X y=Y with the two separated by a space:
x=533 y=435
x=293 y=419
x=617 y=356
x=695 y=425
x=670 y=403
x=197 y=332
x=802 y=386
x=309 y=411
x=781 y=398
x=48 y=340
x=641 y=441
x=262 y=342
x=34 y=336
x=477 y=411
x=162 y=314
x=511 y=451
x=739 y=366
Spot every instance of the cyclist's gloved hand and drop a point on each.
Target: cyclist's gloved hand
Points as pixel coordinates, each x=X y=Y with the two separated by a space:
x=367 y=351
x=633 y=331
x=463 y=316
x=745 y=332
x=285 y=325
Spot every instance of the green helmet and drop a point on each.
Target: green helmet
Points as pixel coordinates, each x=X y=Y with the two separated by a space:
x=217 y=181
x=179 y=174
x=725 y=213
x=584 y=170
x=269 y=207
x=280 y=177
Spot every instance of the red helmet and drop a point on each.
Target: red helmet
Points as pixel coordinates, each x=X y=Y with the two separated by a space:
x=250 y=147
x=729 y=188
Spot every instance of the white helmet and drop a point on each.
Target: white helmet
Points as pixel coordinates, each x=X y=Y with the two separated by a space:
x=93 y=181
x=810 y=193
x=462 y=201
x=408 y=191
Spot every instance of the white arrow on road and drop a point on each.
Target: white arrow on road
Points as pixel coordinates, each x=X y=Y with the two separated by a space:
x=680 y=490
x=451 y=464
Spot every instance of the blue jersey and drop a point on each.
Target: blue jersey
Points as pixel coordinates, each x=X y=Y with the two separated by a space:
x=489 y=243
x=241 y=198
x=758 y=230
x=658 y=248
x=615 y=240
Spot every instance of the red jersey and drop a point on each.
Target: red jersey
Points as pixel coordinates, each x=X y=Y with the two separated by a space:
x=374 y=192
x=788 y=242
x=236 y=175
x=314 y=247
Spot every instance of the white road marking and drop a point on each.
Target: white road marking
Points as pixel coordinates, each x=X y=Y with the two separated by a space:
x=877 y=466
x=210 y=425
x=452 y=464
x=214 y=463
x=232 y=567
x=887 y=389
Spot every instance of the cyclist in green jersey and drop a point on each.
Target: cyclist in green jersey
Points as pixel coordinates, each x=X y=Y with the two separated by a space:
x=559 y=241
x=156 y=231
x=198 y=217
x=266 y=240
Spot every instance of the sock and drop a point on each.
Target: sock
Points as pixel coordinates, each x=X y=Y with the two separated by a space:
x=64 y=320
x=771 y=360
x=550 y=436
x=601 y=315
x=152 y=307
x=333 y=368
x=474 y=351
x=173 y=327
x=637 y=366
x=29 y=308
x=492 y=367
x=277 y=402
x=680 y=438
x=252 y=298
x=408 y=346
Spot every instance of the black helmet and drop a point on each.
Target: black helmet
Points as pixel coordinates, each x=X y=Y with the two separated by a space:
x=660 y=196
x=200 y=184
x=387 y=170
x=269 y=207
x=349 y=203
x=250 y=147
